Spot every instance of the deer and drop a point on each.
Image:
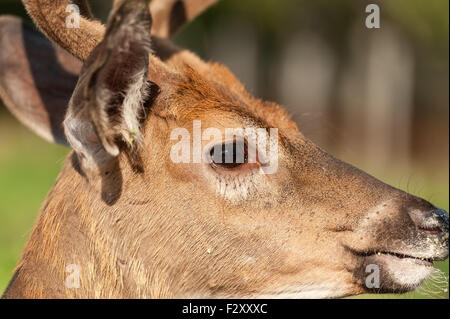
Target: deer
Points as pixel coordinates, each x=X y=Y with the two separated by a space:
x=138 y=225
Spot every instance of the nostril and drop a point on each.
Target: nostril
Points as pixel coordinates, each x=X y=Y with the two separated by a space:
x=431 y=230
x=433 y=222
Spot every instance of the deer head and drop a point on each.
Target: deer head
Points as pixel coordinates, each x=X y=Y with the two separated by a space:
x=136 y=223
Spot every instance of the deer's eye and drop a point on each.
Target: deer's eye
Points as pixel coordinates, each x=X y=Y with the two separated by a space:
x=229 y=155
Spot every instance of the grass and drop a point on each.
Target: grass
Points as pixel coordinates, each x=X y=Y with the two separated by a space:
x=29 y=166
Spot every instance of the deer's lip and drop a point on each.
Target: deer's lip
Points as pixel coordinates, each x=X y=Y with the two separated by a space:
x=428 y=262
x=395 y=271
x=395 y=256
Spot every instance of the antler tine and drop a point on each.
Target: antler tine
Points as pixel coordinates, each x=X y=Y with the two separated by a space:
x=116 y=2
x=170 y=15
x=50 y=16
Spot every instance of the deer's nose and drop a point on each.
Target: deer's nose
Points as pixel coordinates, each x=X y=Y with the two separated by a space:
x=431 y=222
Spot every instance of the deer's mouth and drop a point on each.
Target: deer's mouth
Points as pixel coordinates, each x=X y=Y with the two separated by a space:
x=393 y=271
x=393 y=256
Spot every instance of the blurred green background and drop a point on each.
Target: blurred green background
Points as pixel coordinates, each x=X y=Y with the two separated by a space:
x=377 y=98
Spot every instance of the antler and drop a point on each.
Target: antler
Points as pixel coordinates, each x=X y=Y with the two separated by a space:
x=50 y=16
x=85 y=10
x=170 y=15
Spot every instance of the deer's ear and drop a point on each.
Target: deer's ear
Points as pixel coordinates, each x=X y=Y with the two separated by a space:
x=107 y=106
x=37 y=78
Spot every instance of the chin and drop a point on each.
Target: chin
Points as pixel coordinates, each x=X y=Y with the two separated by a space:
x=399 y=273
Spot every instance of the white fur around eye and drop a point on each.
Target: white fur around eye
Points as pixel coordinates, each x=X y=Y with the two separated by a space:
x=242 y=185
x=237 y=187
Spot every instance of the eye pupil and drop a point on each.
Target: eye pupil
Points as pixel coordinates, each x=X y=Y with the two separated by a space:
x=229 y=155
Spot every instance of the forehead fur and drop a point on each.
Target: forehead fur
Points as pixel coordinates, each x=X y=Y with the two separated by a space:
x=214 y=92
